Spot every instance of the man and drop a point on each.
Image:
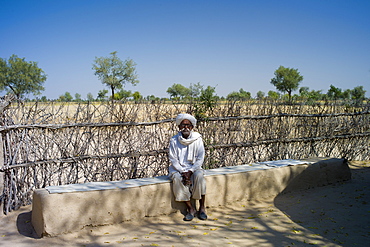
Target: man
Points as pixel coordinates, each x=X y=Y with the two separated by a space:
x=186 y=153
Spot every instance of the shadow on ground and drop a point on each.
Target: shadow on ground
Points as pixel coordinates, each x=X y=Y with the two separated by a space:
x=338 y=212
x=24 y=225
x=333 y=215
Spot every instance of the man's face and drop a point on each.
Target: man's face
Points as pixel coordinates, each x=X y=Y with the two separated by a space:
x=185 y=128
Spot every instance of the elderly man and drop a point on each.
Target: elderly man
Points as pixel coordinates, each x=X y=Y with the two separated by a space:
x=186 y=153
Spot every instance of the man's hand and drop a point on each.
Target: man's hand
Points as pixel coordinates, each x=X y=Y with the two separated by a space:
x=186 y=177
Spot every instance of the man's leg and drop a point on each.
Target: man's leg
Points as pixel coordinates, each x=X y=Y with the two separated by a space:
x=180 y=191
x=202 y=210
x=199 y=185
x=199 y=192
x=190 y=208
x=182 y=194
x=202 y=201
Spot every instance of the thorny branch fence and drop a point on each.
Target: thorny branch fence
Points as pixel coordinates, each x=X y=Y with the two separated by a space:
x=55 y=143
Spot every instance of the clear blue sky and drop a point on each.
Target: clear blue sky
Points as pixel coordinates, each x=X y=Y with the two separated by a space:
x=228 y=44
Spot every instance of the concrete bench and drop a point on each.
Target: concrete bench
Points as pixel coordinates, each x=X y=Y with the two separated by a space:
x=61 y=209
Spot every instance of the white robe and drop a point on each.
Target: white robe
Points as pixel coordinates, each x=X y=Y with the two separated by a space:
x=186 y=154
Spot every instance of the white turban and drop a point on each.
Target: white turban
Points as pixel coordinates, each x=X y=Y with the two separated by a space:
x=184 y=116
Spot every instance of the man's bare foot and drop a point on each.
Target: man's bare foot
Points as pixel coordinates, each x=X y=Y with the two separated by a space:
x=192 y=211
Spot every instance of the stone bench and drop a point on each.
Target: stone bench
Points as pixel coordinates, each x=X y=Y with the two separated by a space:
x=61 y=209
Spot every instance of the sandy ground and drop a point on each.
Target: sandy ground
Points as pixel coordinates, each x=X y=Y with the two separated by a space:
x=334 y=215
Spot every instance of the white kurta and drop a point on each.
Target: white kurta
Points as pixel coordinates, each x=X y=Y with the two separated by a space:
x=187 y=158
x=178 y=154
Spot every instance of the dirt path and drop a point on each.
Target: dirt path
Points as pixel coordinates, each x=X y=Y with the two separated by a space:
x=334 y=215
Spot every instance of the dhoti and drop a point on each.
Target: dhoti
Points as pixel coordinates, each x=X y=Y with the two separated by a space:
x=183 y=192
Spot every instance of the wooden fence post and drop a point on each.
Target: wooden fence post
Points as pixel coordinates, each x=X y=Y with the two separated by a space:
x=5 y=101
x=1 y=176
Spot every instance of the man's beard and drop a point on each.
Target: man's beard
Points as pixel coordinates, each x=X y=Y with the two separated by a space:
x=185 y=132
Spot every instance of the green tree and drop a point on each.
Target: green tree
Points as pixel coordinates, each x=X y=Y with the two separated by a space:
x=137 y=96
x=21 y=77
x=178 y=90
x=152 y=98
x=66 y=97
x=61 y=98
x=233 y=96
x=273 y=95
x=358 y=93
x=195 y=90
x=286 y=80
x=90 y=97
x=346 y=94
x=102 y=94
x=315 y=95
x=78 y=97
x=114 y=72
x=260 y=95
x=207 y=101
x=334 y=93
x=304 y=91
x=312 y=95
x=242 y=95
x=123 y=94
